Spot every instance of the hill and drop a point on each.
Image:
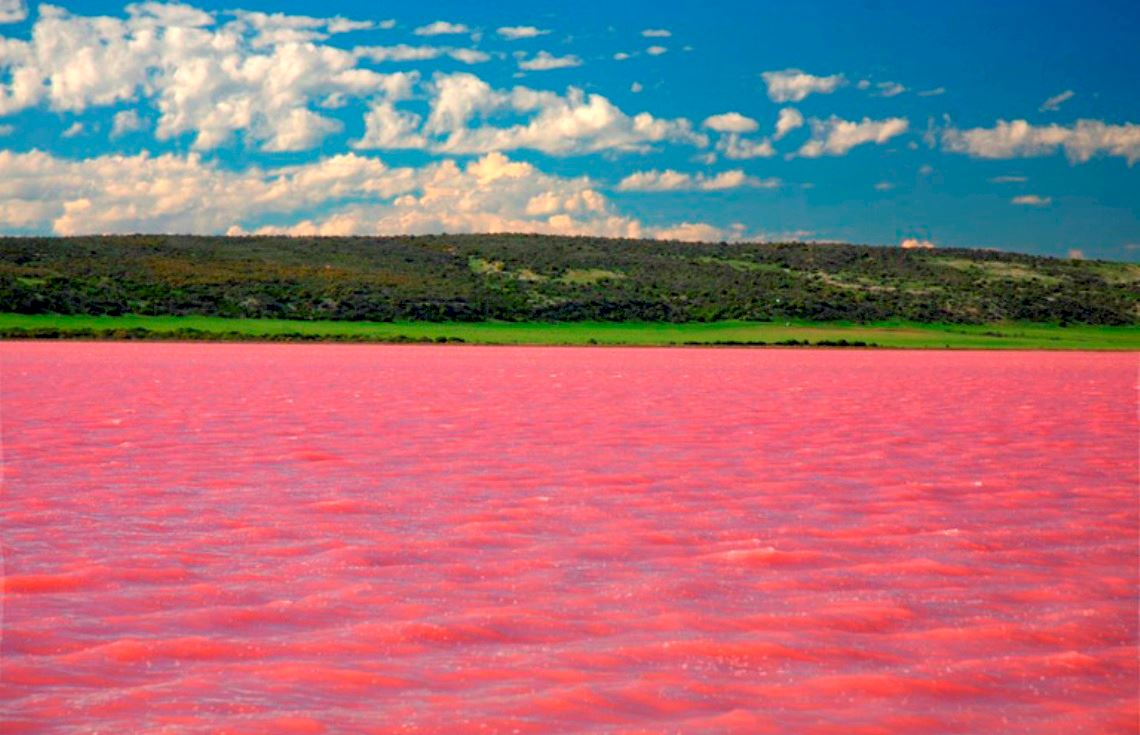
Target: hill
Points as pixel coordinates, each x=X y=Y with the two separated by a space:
x=549 y=278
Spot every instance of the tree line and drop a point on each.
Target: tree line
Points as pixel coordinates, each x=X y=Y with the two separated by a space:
x=516 y=277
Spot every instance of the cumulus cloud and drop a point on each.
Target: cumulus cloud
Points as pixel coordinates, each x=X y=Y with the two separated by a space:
x=1018 y=139
x=1009 y=180
x=173 y=193
x=788 y=120
x=126 y=121
x=732 y=143
x=731 y=122
x=545 y=61
x=400 y=52
x=345 y=25
x=404 y=52
x=6 y=130
x=514 y=33
x=441 y=28
x=884 y=186
x=459 y=97
x=386 y=127
x=469 y=55
x=656 y=50
x=835 y=136
x=265 y=29
x=1076 y=254
x=670 y=180
x=256 y=76
x=793 y=85
x=890 y=89
x=636 y=87
x=621 y=56
x=360 y=194
x=691 y=232
x=12 y=11
x=1054 y=103
x=913 y=243
x=73 y=130
x=1031 y=200
x=739 y=148
x=464 y=106
x=656 y=33
x=932 y=92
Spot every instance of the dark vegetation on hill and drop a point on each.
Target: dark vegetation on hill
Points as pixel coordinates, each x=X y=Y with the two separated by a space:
x=530 y=277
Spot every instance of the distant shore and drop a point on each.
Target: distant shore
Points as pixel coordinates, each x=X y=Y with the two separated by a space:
x=909 y=335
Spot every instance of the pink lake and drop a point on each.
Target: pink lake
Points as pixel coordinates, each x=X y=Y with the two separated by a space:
x=205 y=538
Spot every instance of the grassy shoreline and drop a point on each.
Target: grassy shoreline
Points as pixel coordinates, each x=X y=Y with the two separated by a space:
x=823 y=334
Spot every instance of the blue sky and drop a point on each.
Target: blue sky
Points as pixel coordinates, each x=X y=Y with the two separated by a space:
x=971 y=124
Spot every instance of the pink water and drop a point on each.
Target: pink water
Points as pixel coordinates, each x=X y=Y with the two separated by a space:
x=306 y=539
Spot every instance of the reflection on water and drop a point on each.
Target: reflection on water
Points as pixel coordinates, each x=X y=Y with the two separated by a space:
x=320 y=538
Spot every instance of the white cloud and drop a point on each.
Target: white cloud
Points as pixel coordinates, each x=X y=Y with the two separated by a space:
x=793 y=85
x=126 y=121
x=300 y=129
x=890 y=89
x=788 y=120
x=1009 y=180
x=344 y=25
x=389 y=128
x=636 y=87
x=1076 y=254
x=884 y=186
x=266 y=29
x=621 y=56
x=399 y=52
x=388 y=24
x=656 y=33
x=656 y=50
x=731 y=122
x=277 y=28
x=6 y=130
x=835 y=136
x=514 y=33
x=257 y=76
x=76 y=128
x=441 y=28
x=925 y=169
x=691 y=232
x=1031 y=200
x=172 y=193
x=737 y=147
x=544 y=61
x=458 y=98
x=1054 y=103
x=913 y=243
x=404 y=53
x=932 y=92
x=469 y=55
x=1018 y=139
x=670 y=180
x=12 y=11
x=569 y=124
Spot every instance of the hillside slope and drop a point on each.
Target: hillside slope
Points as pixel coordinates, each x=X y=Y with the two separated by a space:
x=547 y=278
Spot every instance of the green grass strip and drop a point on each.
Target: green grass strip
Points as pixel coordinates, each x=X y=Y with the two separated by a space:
x=884 y=334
